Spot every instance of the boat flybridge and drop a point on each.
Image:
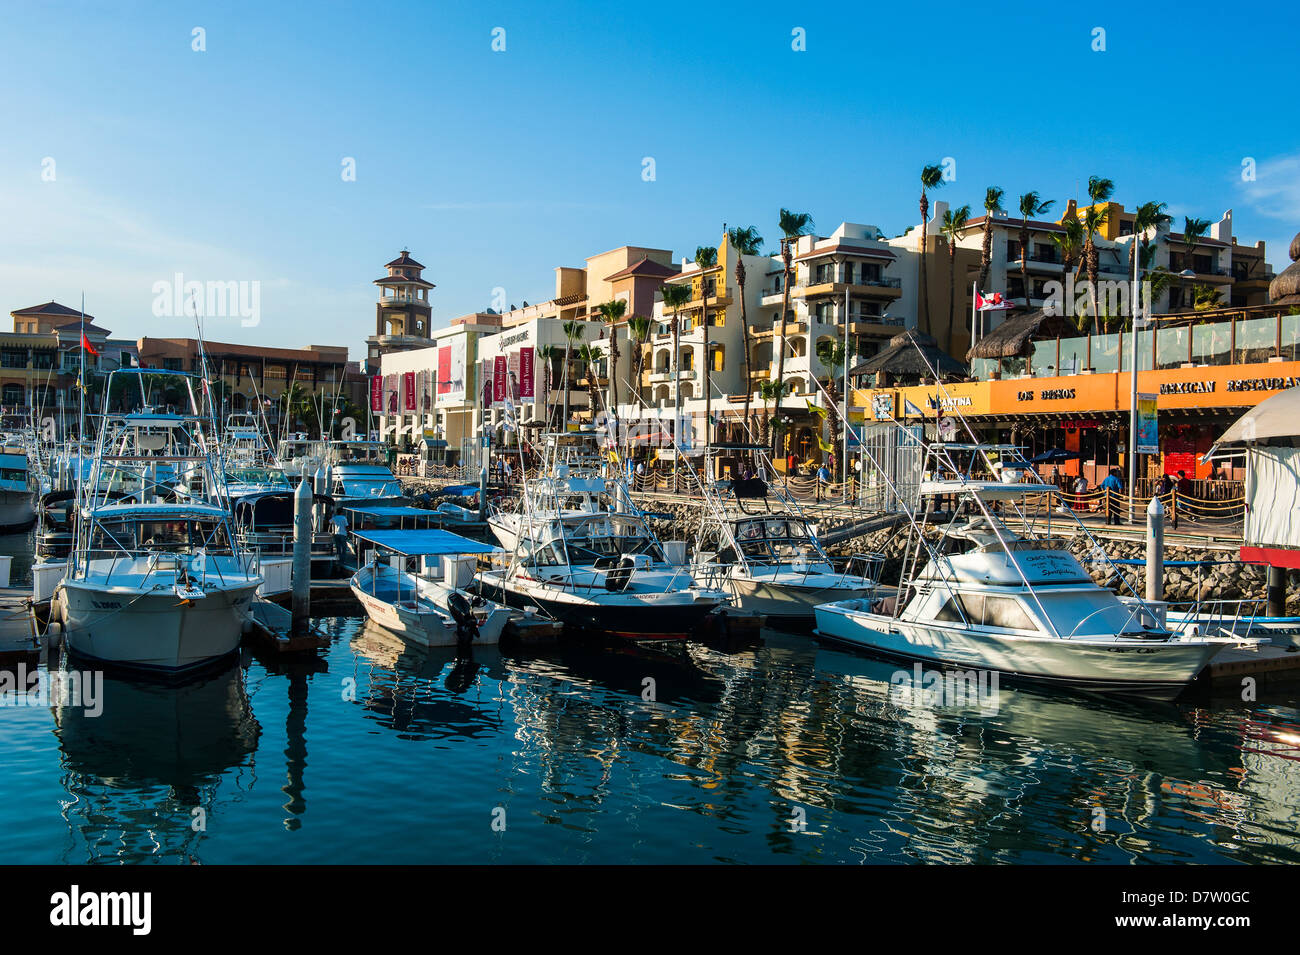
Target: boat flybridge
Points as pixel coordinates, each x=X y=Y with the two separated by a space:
x=992 y=589
x=581 y=551
x=756 y=543
x=430 y=605
x=152 y=581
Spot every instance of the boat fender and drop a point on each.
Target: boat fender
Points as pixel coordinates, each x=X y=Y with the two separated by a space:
x=618 y=577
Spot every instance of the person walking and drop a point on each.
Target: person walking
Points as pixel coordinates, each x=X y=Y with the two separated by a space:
x=823 y=479
x=1181 y=490
x=339 y=523
x=1113 y=487
x=1165 y=491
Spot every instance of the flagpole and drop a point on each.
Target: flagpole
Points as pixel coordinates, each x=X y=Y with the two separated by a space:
x=974 y=313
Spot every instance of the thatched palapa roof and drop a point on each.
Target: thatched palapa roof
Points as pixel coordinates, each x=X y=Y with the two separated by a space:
x=1285 y=287
x=1014 y=338
x=903 y=359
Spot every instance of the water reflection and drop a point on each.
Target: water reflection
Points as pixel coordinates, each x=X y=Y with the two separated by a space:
x=143 y=776
x=788 y=751
x=426 y=692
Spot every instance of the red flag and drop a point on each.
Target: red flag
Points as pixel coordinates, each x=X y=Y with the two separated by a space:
x=85 y=343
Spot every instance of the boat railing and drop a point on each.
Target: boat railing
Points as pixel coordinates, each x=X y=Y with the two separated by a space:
x=181 y=565
x=867 y=566
x=1137 y=609
x=1227 y=617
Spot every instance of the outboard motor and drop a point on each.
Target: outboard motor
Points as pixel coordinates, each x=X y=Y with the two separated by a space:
x=620 y=575
x=466 y=624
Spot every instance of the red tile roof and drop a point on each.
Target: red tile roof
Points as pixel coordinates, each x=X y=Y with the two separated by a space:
x=403 y=259
x=50 y=308
x=646 y=268
x=840 y=248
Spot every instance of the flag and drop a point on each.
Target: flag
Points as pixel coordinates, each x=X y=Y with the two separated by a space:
x=910 y=409
x=991 y=303
x=825 y=445
x=85 y=343
x=814 y=409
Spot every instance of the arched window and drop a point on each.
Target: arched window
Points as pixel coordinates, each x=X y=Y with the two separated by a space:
x=688 y=359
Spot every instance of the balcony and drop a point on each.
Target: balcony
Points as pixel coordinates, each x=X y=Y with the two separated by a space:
x=772 y=296
x=883 y=287
x=791 y=329
x=686 y=374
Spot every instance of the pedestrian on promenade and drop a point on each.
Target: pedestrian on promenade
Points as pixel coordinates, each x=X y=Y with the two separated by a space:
x=823 y=479
x=1113 y=486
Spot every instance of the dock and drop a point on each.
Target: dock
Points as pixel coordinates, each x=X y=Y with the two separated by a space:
x=18 y=640
x=1265 y=663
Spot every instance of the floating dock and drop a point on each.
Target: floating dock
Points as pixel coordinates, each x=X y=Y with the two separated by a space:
x=18 y=640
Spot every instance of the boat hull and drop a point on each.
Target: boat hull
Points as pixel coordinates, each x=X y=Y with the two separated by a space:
x=788 y=601
x=1145 y=667
x=648 y=619
x=17 y=511
x=426 y=629
x=153 y=630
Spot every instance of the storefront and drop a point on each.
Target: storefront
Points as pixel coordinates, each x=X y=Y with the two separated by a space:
x=1088 y=414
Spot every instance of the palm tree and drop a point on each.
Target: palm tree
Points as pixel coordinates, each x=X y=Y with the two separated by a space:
x=1070 y=244
x=705 y=258
x=954 y=227
x=675 y=296
x=1148 y=217
x=746 y=241
x=1193 y=231
x=1031 y=207
x=931 y=178
x=1094 y=217
x=744 y=327
x=1206 y=296
x=769 y=392
x=638 y=327
x=992 y=204
x=590 y=355
x=548 y=354
x=833 y=355
x=573 y=332
x=612 y=313
x=792 y=225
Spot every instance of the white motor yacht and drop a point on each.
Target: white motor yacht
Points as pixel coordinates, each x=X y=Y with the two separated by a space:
x=990 y=597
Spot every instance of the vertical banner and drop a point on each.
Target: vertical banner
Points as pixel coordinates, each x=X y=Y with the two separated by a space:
x=444 y=370
x=377 y=393
x=390 y=392
x=527 y=374
x=512 y=375
x=1148 y=434
x=499 y=379
x=408 y=387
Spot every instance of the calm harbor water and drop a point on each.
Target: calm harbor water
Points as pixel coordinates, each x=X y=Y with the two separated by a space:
x=384 y=753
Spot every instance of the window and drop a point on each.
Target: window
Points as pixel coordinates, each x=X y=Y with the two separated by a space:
x=848 y=273
x=174 y=364
x=718 y=351
x=1004 y=613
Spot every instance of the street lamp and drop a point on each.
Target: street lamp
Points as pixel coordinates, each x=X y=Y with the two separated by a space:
x=1133 y=375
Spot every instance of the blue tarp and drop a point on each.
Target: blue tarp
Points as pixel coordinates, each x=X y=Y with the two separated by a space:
x=460 y=490
x=429 y=543
x=389 y=510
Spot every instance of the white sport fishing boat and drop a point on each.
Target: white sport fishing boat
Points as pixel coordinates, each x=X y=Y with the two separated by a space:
x=19 y=487
x=153 y=583
x=605 y=573
x=756 y=543
x=581 y=552
x=993 y=598
x=434 y=607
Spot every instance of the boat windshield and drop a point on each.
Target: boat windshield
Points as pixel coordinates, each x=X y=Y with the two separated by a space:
x=371 y=487
x=776 y=540
x=593 y=548
x=271 y=476
x=179 y=536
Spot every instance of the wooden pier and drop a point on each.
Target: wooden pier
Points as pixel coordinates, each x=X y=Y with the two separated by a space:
x=19 y=642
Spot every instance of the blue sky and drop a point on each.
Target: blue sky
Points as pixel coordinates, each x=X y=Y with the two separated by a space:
x=495 y=167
